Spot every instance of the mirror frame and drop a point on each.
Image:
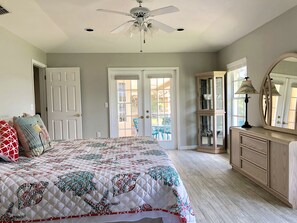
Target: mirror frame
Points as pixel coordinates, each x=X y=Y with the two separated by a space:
x=267 y=77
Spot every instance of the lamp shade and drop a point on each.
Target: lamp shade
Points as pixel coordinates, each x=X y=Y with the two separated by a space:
x=246 y=87
x=274 y=91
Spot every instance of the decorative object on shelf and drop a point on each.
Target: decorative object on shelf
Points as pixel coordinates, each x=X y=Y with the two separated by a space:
x=207 y=97
x=141 y=22
x=246 y=88
x=211 y=112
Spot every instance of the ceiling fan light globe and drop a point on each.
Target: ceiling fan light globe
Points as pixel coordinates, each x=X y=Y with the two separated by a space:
x=153 y=29
x=136 y=24
x=134 y=29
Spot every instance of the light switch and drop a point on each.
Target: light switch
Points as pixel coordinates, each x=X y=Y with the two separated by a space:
x=106 y=104
x=98 y=134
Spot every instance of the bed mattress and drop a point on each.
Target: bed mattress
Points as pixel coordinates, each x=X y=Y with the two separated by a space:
x=108 y=180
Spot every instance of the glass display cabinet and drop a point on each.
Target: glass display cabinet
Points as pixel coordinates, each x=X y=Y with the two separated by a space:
x=211 y=111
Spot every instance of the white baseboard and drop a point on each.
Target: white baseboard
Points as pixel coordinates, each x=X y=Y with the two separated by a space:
x=188 y=147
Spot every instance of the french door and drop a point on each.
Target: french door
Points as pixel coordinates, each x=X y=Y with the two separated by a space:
x=143 y=103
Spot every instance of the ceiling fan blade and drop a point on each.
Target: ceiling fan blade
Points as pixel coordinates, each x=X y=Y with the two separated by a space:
x=122 y=27
x=112 y=11
x=162 y=26
x=165 y=10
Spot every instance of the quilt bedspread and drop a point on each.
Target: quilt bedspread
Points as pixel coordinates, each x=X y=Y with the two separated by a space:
x=90 y=178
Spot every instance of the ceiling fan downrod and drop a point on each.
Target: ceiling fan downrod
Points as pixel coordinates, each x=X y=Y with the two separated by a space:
x=140 y=2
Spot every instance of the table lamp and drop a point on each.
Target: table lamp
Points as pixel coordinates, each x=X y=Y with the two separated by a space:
x=246 y=88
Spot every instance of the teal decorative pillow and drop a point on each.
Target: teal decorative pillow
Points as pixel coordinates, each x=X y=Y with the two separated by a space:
x=32 y=134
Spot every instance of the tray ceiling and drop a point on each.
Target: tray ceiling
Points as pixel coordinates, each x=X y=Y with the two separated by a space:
x=57 y=26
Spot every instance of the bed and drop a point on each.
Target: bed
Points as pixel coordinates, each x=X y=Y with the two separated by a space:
x=95 y=180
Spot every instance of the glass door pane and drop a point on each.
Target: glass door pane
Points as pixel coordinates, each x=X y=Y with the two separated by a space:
x=206 y=86
x=220 y=130
x=161 y=115
x=206 y=133
x=219 y=93
x=127 y=94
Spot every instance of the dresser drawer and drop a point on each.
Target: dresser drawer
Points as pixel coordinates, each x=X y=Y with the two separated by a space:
x=254 y=171
x=254 y=157
x=257 y=144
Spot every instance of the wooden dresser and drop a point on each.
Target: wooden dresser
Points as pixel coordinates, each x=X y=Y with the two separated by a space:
x=267 y=157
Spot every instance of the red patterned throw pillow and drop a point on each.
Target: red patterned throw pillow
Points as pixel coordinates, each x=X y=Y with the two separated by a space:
x=9 y=146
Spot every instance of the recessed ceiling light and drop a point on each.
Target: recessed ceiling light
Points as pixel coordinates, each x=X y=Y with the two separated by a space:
x=180 y=29
x=89 y=29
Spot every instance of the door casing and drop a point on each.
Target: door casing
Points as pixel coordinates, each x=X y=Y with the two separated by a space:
x=141 y=71
x=41 y=68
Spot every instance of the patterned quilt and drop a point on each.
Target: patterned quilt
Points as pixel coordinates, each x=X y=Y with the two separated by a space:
x=93 y=177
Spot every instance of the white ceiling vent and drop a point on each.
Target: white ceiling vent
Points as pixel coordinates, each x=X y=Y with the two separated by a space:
x=3 y=11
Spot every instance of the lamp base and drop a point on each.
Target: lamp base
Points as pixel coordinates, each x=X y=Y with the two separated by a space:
x=246 y=125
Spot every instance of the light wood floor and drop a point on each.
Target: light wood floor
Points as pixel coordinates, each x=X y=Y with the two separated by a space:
x=220 y=194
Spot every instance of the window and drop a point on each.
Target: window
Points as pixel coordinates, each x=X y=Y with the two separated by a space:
x=236 y=72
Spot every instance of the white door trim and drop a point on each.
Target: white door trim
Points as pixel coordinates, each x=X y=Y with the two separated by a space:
x=112 y=71
x=38 y=64
x=43 y=103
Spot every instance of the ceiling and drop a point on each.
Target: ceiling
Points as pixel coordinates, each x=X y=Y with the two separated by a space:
x=57 y=26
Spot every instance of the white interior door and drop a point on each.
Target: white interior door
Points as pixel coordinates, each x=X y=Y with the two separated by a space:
x=143 y=102
x=64 y=103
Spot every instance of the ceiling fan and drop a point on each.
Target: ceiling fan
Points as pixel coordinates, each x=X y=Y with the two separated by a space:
x=141 y=20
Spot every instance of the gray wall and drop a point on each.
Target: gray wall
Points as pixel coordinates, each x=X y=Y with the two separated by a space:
x=94 y=82
x=262 y=47
x=16 y=74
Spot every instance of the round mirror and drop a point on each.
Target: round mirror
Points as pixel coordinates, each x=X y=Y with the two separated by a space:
x=279 y=95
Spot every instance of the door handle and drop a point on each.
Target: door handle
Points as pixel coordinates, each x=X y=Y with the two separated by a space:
x=141 y=117
x=77 y=115
x=147 y=116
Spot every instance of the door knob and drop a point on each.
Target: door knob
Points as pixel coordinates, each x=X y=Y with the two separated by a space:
x=147 y=116
x=77 y=115
x=141 y=117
